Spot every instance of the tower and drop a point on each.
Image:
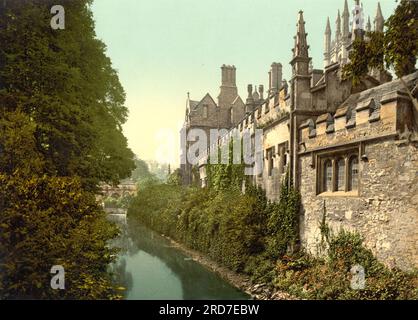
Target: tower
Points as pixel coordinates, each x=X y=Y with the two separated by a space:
x=338 y=28
x=357 y=28
x=368 y=25
x=300 y=66
x=327 y=44
x=300 y=91
x=346 y=23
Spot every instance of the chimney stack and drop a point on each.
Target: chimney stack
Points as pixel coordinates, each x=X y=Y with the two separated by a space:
x=228 y=76
x=261 y=91
x=229 y=90
x=275 y=78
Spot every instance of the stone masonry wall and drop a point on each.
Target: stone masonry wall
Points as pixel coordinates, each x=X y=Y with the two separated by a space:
x=385 y=212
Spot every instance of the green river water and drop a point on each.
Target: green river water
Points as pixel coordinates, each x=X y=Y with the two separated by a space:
x=150 y=268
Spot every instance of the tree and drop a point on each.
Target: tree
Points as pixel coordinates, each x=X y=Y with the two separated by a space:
x=142 y=174
x=64 y=81
x=401 y=38
x=396 y=48
x=47 y=221
x=61 y=115
x=175 y=178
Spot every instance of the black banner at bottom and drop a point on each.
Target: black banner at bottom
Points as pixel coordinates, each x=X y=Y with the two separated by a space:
x=211 y=310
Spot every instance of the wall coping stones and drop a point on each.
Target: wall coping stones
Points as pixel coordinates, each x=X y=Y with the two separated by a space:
x=394 y=96
x=322 y=118
x=341 y=112
x=364 y=104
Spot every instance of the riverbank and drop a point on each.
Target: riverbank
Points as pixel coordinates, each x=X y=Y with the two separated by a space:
x=257 y=291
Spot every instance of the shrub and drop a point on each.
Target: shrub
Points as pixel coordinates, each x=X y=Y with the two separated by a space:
x=47 y=221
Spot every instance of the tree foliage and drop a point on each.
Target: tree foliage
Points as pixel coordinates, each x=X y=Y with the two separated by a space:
x=65 y=83
x=142 y=175
x=396 y=48
x=401 y=38
x=47 y=221
x=61 y=115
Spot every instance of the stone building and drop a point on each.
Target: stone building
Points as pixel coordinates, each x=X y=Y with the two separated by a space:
x=351 y=151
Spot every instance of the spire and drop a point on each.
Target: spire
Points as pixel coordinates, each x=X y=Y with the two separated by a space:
x=368 y=25
x=327 y=44
x=379 y=21
x=338 y=27
x=346 y=20
x=328 y=27
x=301 y=45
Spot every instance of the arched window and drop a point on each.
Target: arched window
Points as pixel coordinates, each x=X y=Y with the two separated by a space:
x=231 y=115
x=353 y=173
x=341 y=174
x=328 y=175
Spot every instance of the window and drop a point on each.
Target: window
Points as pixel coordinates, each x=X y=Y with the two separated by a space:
x=353 y=174
x=340 y=174
x=231 y=116
x=328 y=175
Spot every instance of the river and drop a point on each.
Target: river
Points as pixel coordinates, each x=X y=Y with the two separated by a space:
x=150 y=268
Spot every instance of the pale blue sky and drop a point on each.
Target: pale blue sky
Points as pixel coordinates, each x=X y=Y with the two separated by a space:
x=166 y=48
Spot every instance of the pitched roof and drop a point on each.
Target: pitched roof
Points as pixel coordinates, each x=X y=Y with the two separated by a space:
x=237 y=99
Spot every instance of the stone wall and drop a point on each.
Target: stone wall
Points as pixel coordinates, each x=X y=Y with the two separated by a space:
x=385 y=212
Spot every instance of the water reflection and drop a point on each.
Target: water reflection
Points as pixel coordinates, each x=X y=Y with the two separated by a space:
x=151 y=269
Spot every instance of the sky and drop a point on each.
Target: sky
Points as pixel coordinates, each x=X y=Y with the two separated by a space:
x=163 y=49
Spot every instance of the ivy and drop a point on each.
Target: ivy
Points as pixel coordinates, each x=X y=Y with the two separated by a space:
x=225 y=176
x=283 y=223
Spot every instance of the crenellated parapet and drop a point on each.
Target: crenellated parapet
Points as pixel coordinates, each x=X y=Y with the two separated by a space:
x=378 y=112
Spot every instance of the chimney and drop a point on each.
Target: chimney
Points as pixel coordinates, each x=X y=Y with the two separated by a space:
x=228 y=76
x=261 y=91
x=229 y=90
x=250 y=99
x=275 y=78
x=256 y=96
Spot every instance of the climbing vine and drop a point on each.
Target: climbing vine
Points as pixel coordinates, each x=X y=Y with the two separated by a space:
x=283 y=224
x=225 y=176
